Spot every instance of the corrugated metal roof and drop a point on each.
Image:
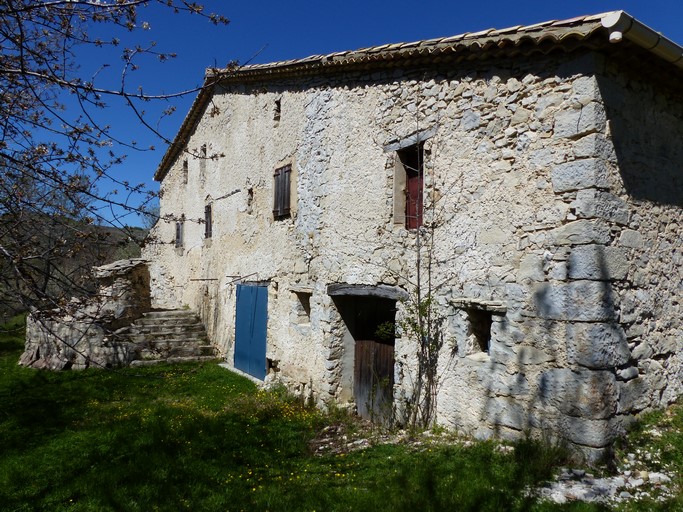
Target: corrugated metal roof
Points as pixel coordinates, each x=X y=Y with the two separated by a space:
x=551 y=33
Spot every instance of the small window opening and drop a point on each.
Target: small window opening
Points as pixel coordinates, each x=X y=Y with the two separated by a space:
x=412 y=159
x=179 y=232
x=303 y=307
x=185 y=171
x=202 y=162
x=208 y=228
x=480 y=328
x=277 y=111
x=250 y=200
x=281 y=191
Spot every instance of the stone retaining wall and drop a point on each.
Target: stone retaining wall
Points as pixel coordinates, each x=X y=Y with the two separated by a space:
x=83 y=333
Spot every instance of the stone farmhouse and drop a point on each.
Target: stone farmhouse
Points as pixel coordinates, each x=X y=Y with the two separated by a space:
x=528 y=180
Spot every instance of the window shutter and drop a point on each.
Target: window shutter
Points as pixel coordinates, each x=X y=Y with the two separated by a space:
x=277 y=207
x=412 y=161
x=281 y=191
x=207 y=221
x=178 y=234
x=414 y=200
x=287 y=172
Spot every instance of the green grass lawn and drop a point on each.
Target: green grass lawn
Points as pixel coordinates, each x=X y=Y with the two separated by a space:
x=198 y=437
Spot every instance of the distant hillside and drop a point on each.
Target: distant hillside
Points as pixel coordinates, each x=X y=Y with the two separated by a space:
x=51 y=260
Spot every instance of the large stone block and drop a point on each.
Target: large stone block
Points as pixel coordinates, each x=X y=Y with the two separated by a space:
x=497 y=382
x=597 y=262
x=594 y=145
x=583 y=301
x=579 y=174
x=581 y=232
x=507 y=412
x=591 y=204
x=493 y=235
x=582 y=394
x=597 y=346
x=576 y=122
x=530 y=355
x=634 y=396
x=588 y=432
x=531 y=268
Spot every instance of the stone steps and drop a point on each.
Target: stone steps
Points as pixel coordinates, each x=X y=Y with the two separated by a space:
x=172 y=360
x=195 y=332
x=168 y=336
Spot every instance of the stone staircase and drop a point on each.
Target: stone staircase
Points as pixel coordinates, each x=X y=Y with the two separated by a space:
x=170 y=336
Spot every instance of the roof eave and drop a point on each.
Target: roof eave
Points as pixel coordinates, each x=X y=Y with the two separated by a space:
x=619 y=25
x=622 y=25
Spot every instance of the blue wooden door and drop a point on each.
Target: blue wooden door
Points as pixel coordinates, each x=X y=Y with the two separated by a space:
x=251 y=318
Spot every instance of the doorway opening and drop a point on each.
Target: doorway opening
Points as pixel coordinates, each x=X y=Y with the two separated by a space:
x=370 y=322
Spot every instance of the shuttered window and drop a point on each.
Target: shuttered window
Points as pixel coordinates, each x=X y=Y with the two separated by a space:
x=281 y=191
x=412 y=158
x=207 y=221
x=179 y=234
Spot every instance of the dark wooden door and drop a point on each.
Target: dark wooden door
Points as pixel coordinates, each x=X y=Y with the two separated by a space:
x=374 y=379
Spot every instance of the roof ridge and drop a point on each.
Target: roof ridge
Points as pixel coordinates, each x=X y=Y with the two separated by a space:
x=397 y=46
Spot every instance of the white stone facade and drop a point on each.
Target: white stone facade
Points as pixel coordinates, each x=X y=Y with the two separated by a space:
x=552 y=192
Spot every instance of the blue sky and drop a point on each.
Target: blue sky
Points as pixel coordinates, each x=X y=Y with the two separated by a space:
x=270 y=31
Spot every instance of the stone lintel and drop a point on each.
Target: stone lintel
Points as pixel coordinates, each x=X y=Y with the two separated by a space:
x=299 y=288
x=486 y=305
x=382 y=291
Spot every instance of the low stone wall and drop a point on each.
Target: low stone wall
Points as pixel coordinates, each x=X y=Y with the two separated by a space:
x=84 y=333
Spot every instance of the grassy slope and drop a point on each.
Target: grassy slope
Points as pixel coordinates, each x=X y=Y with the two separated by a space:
x=201 y=438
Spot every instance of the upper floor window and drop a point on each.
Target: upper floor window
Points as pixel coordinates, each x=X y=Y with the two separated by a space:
x=409 y=184
x=277 y=110
x=179 y=232
x=185 y=171
x=202 y=163
x=281 y=191
x=207 y=221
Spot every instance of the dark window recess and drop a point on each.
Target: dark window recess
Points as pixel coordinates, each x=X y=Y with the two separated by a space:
x=207 y=221
x=179 y=228
x=202 y=162
x=250 y=200
x=277 y=111
x=412 y=159
x=305 y=305
x=185 y=171
x=480 y=326
x=281 y=186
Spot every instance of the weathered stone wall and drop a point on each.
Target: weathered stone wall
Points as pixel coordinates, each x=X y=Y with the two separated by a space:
x=82 y=334
x=645 y=124
x=535 y=214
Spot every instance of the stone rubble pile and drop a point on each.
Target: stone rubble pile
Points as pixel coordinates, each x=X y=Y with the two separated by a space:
x=634 y=481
